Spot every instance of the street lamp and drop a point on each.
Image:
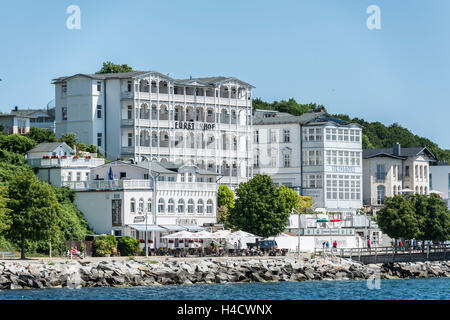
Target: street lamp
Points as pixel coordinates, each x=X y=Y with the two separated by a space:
x=152 y=178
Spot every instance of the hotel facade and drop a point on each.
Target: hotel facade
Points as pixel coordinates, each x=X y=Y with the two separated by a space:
x=315 y=154
x=393 y=171
x=143 y=115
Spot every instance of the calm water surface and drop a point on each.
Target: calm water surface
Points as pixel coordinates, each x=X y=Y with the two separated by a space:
x=413 y=289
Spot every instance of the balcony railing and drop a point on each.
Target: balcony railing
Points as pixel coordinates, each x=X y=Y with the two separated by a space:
x=374 y=201
x=67 y=162
x=200 y=186
x=107 y=184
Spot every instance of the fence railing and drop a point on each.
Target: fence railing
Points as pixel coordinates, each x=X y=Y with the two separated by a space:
x=108 y=184
x=374 y=251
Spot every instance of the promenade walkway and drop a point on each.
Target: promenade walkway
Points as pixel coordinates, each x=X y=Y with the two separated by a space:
x=389 y=254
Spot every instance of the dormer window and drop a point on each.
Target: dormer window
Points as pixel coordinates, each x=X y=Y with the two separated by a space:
x=99 y=86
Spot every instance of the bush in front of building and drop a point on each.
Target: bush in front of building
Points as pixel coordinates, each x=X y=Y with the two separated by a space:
x=129 y=246
x=104 y=245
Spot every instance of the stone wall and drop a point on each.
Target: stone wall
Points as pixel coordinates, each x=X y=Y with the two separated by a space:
x=75 y=274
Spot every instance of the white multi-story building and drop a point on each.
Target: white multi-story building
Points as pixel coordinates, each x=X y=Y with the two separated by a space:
x=392 y=171
x=440 y=181
x=316 y=154
x=147 y=115
x=124 y=198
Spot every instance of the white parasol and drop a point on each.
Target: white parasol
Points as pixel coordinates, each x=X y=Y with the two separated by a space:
x=179 y=235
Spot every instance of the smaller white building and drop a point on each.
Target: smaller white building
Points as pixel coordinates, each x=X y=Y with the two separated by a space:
x=56 y=163
x=320 y=227
x=440 y=181
x=125 y=198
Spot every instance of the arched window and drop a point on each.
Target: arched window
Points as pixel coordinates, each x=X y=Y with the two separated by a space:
x=395 y=190
x=132 y=205
x=141 y=205
x=200 y=206
x=149 y=205
x=190 y=206
x=181 y=206
x=209 y=206
x=170 y=205
x=425 y=190
x=161 y=205
x=380 y=194
x=421 y=189
x=417 y=189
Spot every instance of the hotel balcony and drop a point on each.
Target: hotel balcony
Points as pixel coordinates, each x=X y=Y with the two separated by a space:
x=373 y=201
x=182 y=98
x=107 y=185
x=66 y=162
x=186 y=186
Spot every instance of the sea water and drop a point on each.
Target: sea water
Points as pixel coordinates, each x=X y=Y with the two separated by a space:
x=409 y=289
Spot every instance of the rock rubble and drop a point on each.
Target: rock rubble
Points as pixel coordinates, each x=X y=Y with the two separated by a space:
x=74 y=274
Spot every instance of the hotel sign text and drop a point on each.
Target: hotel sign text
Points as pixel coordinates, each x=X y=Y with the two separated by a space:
x=194 y=125
x=343 y=169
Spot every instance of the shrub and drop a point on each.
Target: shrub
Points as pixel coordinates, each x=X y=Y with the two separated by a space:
x=129 y=246
x=104 y=245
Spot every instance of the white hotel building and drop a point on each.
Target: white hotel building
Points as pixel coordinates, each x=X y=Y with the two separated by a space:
x=316 y=154
x=147 y=115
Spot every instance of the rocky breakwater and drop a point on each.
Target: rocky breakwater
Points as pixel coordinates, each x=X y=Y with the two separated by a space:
x=74 y=274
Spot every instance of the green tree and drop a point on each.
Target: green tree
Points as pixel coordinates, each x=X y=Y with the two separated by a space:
x=433 y=216
x=5 y=220
x=366 y=144
x=109 y=67
x=41 y=135
x=304 y=203
x=94 y=149
x=397 y=218
x=259 y=208
x=69 y=139
x=103 y=245
x=225 y=197
x=34 y=210
x=290 y=196
x=129 y=246
x=16 y=143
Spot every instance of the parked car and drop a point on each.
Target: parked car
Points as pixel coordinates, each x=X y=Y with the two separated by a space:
x=267 y=245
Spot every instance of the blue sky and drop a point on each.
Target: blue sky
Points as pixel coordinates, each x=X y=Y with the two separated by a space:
x=315 y=51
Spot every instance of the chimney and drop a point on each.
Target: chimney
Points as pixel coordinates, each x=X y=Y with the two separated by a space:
x=397 y=149
x=16 y=108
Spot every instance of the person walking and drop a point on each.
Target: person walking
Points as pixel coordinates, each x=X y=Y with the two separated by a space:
x=334 y=244
x=368 y=243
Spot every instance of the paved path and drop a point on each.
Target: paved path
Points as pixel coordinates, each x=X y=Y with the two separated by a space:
x=38 y=260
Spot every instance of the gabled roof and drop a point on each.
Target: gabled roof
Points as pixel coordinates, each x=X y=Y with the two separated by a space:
x=50 y=146
x=404 y=153
x=309 y=118
x=155 y=167
x=206 y=81
x=176 y=167
x=103 y=76
x=30 y=112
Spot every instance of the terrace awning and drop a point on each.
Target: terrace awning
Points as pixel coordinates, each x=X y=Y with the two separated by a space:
x=192 y=228
x=172 y=227
x=149 y=228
